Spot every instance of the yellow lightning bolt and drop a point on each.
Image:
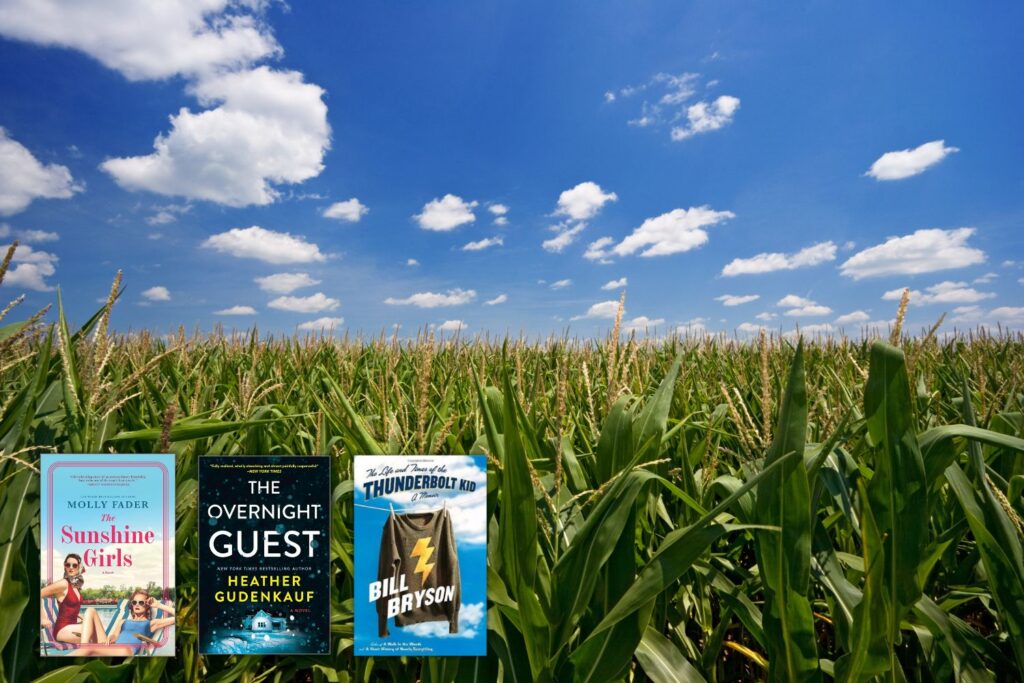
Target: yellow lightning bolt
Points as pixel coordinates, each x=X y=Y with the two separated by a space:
x=423 y=551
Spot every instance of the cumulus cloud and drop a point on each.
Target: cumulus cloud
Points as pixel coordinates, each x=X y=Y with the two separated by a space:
x=766 y=316
x=749 y=328
x=285 y=283
x=615 y=284
x=470 y=617
x=909 y=162
x=584 y=201
x=168 y=213
x=641 y=324
x=984 y=279
x=704 y=117
x=31 y=268
x=480 y=245
x=942 y=293
x=498 y=209
x=236 y=310
x=412 y=263
x=674 y=232
x=693 y=327
x=561 y=284
x=737 y=299
x=798 y=306
x=28 y=236
x=452 y=325
x=852 y=318
x=265 y=245
x=772 y=261
x=350 y=210
x=158 y=293
x=453 y=297
x=923 y=251
x=500 y=299
x=321 y=324
x=599 y=251
x=566 y=234
x=267 y=127
x=446 y=213
x=23 y=178
x=147 y=40
x=313 y=303
x=603 y=309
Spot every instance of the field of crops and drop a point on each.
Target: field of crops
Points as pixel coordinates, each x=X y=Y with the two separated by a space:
x=686 y=509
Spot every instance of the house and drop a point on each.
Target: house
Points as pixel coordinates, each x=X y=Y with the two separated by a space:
x=261 y=622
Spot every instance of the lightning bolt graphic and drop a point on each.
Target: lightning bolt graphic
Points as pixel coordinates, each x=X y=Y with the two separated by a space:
x=423 y=565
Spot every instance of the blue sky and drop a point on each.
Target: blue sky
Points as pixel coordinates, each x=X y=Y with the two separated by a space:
x=816 y=157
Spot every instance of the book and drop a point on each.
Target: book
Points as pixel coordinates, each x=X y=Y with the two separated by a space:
x=420 y=555
x=264 y=555
x=106 y=537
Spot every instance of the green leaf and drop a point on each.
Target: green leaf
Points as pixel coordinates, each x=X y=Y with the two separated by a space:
x=784 y=500
x=662 y=661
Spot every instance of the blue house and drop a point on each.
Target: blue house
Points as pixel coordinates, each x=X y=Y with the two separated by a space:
x=261 y=622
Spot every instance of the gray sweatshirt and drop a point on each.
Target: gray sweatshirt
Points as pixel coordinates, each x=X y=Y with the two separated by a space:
x=418 y=551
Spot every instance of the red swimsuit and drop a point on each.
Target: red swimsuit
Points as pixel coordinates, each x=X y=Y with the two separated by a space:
x=67 y=614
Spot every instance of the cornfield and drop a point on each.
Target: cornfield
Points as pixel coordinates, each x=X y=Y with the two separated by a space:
x=684 y=509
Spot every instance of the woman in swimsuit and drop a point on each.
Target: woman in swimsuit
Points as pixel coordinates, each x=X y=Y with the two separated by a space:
x=70 y=627
x=140 y=622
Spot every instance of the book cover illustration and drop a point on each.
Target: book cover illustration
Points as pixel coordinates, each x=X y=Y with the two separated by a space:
x=264 y=555
x=420 y=555
x=107 y=555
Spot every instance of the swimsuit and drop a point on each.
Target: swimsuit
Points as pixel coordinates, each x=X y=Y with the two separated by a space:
x=129 y=627
x=67 y=614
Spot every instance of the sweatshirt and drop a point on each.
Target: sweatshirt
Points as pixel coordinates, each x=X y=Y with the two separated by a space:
x=418 y=548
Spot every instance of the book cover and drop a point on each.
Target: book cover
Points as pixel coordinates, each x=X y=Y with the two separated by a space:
x=420 y=555
x=107 y=555
x=264 y=555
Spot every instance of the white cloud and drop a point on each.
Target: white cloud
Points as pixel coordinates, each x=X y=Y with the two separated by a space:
x=604 y=309
x=446 y=213
x=641 y=324
x=584 y=201
x=167 y=213
x=28 y=236
x=694 y=326
x=236 y=310
x=704 y=117
x=749 y=328
x=453 y=297
x=566 y=236
x=1013 y=315
x=23 y=178
x=285 y=283
x=350 y=210
x=853 y=317
x=158 y=293
x=772 y=261
x=265 y=245
x=500 y=220
x=677 y=231
x=942 y=293
x=31 y=268
x=800 y=307
x=452 y=325
x=470 y=617
x=923 y=251
x=615 y=284
x=497 y=209
x=314 y=303
x=270 y=128
x=147 y=40
x=500 y=299
x=984 y=279
x=561 y=284
x=484 y=244
x=766 y=316
x=737 y=299
x=909 y=162
x=321 y=324
x=598 y=250
x=810 y=330
x=412 y=263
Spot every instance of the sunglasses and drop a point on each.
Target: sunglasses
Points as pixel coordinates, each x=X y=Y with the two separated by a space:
x=71 y=565
x=138 y=602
